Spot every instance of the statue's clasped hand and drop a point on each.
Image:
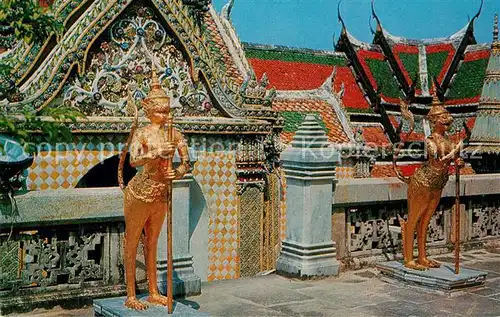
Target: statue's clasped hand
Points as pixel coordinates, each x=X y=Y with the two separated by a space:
x=170 y=175
x=167 y=150
x=460 y=162
x=454 y=154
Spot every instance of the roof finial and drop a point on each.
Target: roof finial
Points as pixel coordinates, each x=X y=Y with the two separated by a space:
x=478 y=12
x=379 y=25
x=226 y=10
x=495 y=31
x=344 y=30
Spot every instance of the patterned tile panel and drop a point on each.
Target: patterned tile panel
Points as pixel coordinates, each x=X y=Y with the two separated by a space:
x=283 y=206
x=63 y=169
x=216 y=175
x=344 y=171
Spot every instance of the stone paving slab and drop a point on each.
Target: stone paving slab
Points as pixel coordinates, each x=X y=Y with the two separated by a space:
x=353 y=294
x=113 y=307
x=442 y=278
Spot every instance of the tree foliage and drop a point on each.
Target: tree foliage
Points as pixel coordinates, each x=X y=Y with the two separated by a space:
x=26 y=20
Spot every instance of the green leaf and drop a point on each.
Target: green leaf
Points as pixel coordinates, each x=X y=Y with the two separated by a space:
x=66 y=133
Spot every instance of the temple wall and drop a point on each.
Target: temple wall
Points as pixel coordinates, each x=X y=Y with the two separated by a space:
x=63 y=235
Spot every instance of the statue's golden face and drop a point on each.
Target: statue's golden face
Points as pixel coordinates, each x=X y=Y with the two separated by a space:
x=158 y=117
x=443 y=120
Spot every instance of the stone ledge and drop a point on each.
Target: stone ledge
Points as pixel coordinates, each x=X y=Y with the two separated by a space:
x=71 y=206
x=372 y=190
x=75 y=297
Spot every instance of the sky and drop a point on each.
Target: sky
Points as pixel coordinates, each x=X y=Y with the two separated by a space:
x=312 y=23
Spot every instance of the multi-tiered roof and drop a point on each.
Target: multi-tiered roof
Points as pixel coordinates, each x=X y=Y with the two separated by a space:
x=354 y=92
x=370 y=80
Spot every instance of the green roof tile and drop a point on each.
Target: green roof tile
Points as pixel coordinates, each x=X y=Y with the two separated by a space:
x=293 y=120
x=383 y=76
x=291 y=56
x=411 y=64
x=468 y=82
x=435 y=63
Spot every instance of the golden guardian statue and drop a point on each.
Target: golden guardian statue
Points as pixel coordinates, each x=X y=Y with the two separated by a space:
x=148 y=195
x=426 y=184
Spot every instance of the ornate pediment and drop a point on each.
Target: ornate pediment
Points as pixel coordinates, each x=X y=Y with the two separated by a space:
x=119 y=69
x=107 y=51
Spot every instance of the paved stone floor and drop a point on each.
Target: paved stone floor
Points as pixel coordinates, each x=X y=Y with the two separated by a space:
x=357 y=293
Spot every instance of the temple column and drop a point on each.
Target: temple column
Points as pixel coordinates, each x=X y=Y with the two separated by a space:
x=186 y=283
x=309 y=165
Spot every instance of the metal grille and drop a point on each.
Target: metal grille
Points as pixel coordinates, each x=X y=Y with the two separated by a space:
x=251 y=206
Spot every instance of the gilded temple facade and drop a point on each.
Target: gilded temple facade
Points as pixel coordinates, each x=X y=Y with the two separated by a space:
x=239 y=105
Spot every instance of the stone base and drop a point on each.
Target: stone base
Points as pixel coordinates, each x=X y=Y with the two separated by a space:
x=443 y=278
x=113 y=307
x=185 y=286
x=307 y=261
x=186 y=283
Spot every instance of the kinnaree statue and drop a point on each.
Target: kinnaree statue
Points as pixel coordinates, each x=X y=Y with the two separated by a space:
x=426 y=184
x=148 y=195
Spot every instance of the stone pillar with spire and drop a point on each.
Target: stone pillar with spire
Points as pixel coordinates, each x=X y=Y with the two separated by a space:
x=309 y=165
x=484 y=144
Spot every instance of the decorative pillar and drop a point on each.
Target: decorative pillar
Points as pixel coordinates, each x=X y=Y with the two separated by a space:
x=186 y=283
x=309 y=165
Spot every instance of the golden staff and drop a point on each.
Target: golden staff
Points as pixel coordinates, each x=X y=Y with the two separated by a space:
x=170 y=262
x=457 y=215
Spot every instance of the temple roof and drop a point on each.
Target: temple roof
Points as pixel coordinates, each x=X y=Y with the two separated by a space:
x=294 y=69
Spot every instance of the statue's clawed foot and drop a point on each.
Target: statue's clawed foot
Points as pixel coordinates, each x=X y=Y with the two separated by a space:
x=414 y=265
x=134 y=303
x=158 y=299
x=429 y=263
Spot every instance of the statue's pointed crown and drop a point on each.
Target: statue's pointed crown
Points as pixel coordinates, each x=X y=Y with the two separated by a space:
x=157 y=100
x=437 y=107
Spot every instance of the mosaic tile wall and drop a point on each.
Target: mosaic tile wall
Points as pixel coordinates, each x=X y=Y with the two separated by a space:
x=216 y=175
x=62 y=166
x=346 y=170
x=61 y=170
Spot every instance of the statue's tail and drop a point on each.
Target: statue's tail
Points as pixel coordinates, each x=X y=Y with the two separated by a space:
x=123 y=154
x=406 y=114
x=402 y=224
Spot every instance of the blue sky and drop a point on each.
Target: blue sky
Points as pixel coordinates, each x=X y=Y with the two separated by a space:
x=312 y=23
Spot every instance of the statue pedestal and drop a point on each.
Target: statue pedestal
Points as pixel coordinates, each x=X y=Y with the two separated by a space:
x=443 y=278
x=113 y=307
